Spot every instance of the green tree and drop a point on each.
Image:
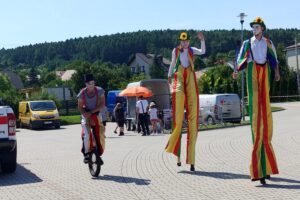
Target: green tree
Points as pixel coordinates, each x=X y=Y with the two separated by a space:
x=217 y=79
x=8 y=94
x=157 y=69
x=33 y=78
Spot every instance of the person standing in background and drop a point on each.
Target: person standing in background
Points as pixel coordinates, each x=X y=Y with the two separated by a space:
x=120 y=118
x=153 y=118
x=141 y=110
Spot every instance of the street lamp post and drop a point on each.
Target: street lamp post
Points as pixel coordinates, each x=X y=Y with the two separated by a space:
x=242 y=16
x=297 y=65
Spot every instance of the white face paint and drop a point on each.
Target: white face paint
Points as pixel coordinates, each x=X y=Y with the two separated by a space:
x=185 y=43
x=257 y=29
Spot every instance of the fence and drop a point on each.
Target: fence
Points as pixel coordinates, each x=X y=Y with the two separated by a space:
x=68 y=107
x=278 y=99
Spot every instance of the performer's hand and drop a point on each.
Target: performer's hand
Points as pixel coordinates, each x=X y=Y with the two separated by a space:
x=87 y=115
x=234 y=75
x=200 y=36
x=277 y=75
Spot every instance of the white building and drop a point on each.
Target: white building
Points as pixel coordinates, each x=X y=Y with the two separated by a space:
x=65 y=75
x=141 y=63
x=290 y=55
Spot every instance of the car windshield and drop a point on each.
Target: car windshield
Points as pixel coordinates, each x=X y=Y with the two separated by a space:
x=42 y=105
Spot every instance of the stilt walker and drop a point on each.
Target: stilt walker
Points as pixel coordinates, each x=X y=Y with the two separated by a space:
x=184 y=95
x=258 y=56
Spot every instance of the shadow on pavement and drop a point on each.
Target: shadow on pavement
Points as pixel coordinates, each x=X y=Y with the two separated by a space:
x=123 y=179
x=277 y=186
x=226 y=175
x=275 y=179
x=42 y=129
x=111 y=137
x=21 y=176
x=280 y=186
x=220 y=175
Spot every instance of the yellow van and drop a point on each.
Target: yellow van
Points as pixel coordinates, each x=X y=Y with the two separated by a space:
x=37 y=114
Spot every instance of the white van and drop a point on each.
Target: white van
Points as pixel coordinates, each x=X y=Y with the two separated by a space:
x=221 y=107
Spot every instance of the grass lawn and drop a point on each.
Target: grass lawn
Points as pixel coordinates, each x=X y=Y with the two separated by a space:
x=224 y=125
x=276 y=109
x=72 y=119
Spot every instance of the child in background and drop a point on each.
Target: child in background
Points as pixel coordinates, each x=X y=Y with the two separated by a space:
x=153 y=117
x=120 y=118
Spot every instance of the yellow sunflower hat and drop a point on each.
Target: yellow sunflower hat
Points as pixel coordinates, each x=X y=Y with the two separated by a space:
x=259 y=21
x=184 y=36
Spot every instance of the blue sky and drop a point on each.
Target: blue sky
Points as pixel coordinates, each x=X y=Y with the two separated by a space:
x=25 y=22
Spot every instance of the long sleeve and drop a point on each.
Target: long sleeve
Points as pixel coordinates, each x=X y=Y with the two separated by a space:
x=271 y=55
x=201 y=51
x=173 y=62
x=274 y=50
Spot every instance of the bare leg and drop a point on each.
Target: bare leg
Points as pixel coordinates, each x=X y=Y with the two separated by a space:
x=115 y=131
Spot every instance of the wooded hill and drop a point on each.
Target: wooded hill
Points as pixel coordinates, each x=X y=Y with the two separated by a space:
x=118 y=48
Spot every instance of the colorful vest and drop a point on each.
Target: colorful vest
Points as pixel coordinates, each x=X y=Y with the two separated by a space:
x=246 y=52
x=177 y=58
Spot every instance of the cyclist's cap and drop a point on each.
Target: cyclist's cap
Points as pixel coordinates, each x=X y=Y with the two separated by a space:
x=88 y=78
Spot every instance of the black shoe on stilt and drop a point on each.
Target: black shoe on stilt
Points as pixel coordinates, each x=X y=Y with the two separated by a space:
x=268 y=177
x=192 y=168
x=179 y=164
x=263 y=181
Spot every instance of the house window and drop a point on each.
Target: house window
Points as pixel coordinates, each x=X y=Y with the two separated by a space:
x=132 y=69
x=143 y=68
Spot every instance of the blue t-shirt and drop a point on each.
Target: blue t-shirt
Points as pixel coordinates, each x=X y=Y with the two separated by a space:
x=91 y=101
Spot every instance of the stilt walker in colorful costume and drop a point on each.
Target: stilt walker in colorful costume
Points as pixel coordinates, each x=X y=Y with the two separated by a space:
x=184 y=95
x=91 y=100
x=258 y=57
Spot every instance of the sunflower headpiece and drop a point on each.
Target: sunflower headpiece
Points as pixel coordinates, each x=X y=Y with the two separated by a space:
x=184 y=36
x=259 y=21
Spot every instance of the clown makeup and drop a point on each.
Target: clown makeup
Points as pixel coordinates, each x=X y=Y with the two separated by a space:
x=257 y=29
x=185 y=43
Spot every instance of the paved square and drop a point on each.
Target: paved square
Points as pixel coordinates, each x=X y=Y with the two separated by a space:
x=50 y=165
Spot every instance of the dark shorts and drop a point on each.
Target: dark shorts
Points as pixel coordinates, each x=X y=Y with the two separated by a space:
x=121 y=123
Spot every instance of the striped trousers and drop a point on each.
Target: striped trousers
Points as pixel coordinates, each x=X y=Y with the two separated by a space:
x=184 y=95
x=263 y=161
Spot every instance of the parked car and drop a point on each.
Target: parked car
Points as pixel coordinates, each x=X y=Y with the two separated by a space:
x=37 y=114
x=207 y=115
x=8 y=140
x=220 y=107
x=111 y=100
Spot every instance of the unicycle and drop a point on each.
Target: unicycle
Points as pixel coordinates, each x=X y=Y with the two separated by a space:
x=95 y=160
